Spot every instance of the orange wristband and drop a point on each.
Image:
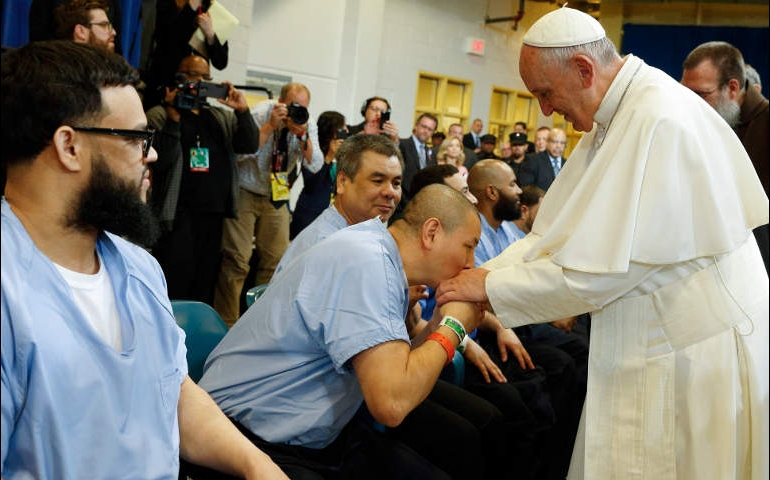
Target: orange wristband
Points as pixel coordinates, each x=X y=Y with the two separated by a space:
x=446 y=343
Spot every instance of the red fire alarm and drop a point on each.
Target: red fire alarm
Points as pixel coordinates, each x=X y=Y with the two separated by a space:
x=474 y=46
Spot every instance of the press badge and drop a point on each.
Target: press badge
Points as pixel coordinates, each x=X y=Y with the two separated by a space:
x=199 y=159
x=279 y=183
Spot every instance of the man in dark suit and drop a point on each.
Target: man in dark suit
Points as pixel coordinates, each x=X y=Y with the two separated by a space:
x=415 y=151
x=541 y=168
x=472 y=139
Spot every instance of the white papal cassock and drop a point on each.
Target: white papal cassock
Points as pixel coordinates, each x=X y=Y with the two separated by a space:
x=648 y=227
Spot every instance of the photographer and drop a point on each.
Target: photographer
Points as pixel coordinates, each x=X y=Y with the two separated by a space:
x=319 y=187
x=195 y=180
x=376 y=113
x=176 y=21
x=288 y=143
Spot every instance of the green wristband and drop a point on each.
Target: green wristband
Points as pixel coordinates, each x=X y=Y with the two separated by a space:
x=464 y=344
x=455 y=326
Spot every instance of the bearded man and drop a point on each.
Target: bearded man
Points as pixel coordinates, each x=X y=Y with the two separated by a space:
x=88 y=333
x=716 y=72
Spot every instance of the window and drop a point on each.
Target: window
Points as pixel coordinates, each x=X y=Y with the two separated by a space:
x=507 y=107
x=449 y=99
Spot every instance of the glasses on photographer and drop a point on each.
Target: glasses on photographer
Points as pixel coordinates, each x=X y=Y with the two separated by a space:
x=107 y=25
x=144 y=135
x=192 y=76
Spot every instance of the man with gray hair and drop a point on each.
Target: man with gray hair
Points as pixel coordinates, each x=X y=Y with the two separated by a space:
x=715 y=71
x=649 y=229
x=753 y=77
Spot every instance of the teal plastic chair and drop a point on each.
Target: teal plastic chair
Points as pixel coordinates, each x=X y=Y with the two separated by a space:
x=203 y=328
x=254 y=293
x=455 y=371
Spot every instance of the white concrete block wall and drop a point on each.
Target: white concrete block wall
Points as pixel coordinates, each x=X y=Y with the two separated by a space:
x=238 y=42
x=348 y=50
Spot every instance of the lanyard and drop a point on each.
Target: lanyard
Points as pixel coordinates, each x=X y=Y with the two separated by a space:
x=280 y=155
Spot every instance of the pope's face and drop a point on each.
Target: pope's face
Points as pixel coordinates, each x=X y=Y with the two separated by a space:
x=557 y=89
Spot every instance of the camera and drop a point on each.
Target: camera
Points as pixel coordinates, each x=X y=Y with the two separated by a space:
x=342 y=134
x=297 y=113
x=190 y=95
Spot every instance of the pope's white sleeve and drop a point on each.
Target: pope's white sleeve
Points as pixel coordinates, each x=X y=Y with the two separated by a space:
x=541 y=291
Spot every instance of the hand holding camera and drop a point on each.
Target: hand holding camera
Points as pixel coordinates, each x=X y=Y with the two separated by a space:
x=234 y=98
x=293 y=111
x=188 y=95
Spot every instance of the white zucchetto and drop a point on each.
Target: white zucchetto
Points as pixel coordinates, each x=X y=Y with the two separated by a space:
x=565 y=27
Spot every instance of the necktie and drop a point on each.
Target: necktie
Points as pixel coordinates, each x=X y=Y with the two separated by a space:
x=476 y=140
x=556 y=167
x=427 y=155
x=423 y=155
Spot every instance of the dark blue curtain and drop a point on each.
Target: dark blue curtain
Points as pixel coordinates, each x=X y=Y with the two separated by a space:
x=666 y=46
x=15 y=26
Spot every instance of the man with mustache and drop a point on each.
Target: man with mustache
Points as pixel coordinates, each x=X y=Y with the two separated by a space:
x=716 y=72
x=94 y=374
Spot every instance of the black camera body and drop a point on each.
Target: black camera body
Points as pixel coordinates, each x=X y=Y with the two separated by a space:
x=190 y=95
x=297 y=113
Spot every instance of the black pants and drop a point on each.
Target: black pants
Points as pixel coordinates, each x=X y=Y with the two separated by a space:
x=358 y=452
x=190 y=255
x=542 y=406
x=567 y=397
x=457 y=431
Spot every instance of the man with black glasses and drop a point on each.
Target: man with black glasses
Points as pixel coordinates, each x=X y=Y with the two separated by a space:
x=195 y=180
x=85 y=21
x=94 y=377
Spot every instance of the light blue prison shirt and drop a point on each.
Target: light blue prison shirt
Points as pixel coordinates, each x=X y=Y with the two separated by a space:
x=283 y=370
x=492 y=241
x=72 y=406
x=328 y=222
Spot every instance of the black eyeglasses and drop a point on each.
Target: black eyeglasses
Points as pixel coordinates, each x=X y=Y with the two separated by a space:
x=144 y=135
x=107 y=25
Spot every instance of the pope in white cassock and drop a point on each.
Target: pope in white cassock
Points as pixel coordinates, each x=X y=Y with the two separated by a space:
x=648 y=227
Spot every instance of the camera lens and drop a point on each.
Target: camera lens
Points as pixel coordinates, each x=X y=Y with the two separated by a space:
x=298 y=113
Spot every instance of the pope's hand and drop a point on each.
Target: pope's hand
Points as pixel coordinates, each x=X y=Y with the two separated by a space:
x=467 y=286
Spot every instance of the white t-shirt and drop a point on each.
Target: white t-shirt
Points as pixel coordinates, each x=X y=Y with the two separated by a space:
x=95 y=297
